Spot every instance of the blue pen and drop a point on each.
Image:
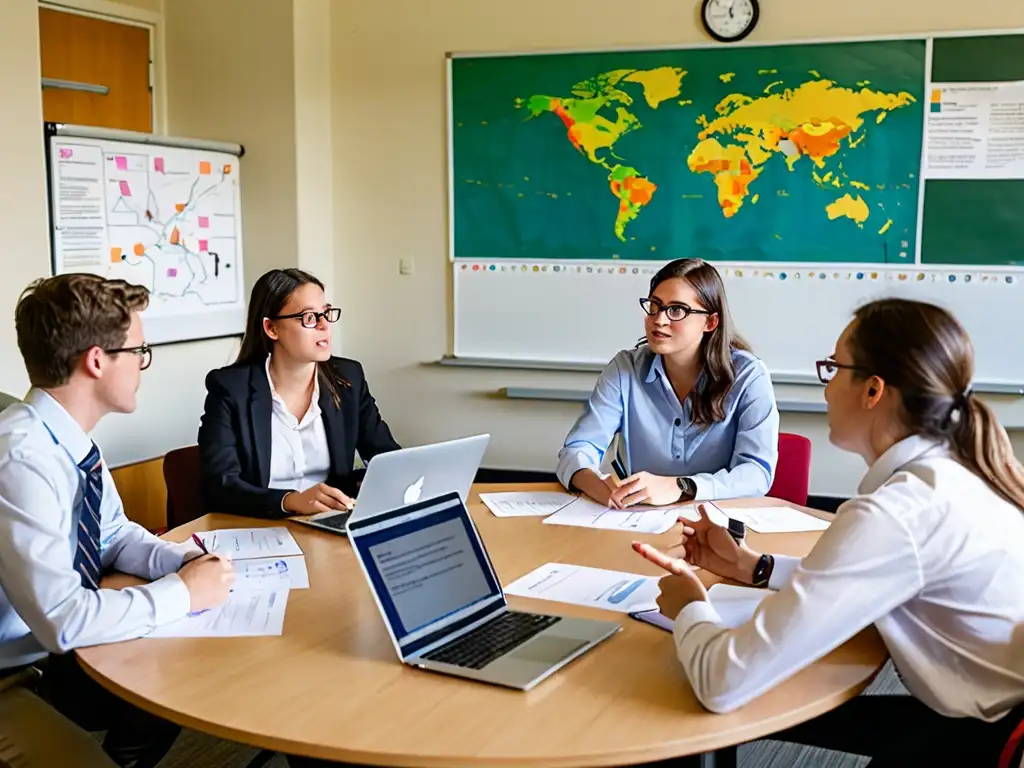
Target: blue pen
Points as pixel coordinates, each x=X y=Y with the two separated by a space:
x=620 y=471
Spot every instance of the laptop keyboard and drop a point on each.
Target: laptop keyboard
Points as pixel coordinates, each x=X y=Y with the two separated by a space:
x=337 y=522
x=492 y=640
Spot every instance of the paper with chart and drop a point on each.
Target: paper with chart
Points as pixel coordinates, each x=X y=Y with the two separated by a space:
x=270 y=574
x=249 y=543
x=526 y=503
x=245 y=614
x=975 y=131
x=167 y=218
x=591 y=587
x=638 y=519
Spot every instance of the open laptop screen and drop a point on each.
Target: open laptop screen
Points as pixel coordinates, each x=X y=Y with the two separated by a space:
x=428 y=569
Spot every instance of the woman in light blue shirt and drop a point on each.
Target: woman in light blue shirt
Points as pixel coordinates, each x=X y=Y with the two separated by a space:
x=694 y=407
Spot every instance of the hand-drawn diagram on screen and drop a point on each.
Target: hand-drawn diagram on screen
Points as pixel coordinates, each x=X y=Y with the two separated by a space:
x=166 y=218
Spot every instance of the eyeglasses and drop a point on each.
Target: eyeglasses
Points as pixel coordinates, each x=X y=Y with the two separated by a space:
x=827 y=369
x=674 y=312
x=311 y=319
x=144 y=352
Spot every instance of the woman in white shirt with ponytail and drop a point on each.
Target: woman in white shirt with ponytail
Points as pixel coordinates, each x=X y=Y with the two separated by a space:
x=930 y=551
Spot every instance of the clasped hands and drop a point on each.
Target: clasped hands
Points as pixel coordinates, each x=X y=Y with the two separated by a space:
x=705 y=545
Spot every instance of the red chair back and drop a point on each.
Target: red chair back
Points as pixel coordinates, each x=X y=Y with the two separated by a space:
x=793 y=470
x=184 y=486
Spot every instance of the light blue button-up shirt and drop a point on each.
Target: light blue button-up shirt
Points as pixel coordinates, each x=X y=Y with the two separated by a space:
x=43 y=605
x=732 y=458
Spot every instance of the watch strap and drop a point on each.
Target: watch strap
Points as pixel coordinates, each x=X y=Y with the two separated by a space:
x=763 y=571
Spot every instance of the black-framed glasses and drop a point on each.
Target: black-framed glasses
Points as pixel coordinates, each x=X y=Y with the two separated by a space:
x=144 y=352
x=674 y=312
x=310 y=319
x=827 y=369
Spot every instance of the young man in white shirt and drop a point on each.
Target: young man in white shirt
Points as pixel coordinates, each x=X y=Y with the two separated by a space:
x=62 y=523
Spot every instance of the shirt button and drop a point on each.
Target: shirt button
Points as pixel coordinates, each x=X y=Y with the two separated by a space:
x=678 y=422
x=677 y=456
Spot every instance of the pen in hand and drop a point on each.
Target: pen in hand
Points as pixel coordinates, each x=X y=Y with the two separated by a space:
x=199 y=543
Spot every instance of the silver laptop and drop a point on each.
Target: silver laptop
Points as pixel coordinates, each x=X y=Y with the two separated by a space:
x=444 y=608
x=402 y=477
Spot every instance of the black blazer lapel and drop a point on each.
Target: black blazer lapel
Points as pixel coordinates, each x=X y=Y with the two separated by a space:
x=334 y=429
x=260 y=414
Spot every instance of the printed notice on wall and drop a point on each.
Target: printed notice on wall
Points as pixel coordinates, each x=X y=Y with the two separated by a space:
x=975 y=131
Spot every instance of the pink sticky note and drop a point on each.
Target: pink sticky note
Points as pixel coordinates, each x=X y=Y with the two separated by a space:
x=158 y=164
x=172 y=272
x=65 y=153
x=125 y=190
x=204 y=245
x=122 y=163
x=204 y=222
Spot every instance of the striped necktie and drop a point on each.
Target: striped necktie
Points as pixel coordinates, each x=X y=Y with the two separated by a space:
x=87 y=557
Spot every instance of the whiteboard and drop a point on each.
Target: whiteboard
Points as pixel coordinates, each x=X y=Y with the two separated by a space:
x=570 y=312
x=161 y=215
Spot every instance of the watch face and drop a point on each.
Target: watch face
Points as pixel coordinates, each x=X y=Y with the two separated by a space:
x=730 y=20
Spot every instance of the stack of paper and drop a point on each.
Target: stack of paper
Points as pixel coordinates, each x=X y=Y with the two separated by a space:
x=268 y=563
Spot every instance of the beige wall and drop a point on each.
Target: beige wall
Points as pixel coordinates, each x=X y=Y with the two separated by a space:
x=26 y=254
x=390 y=189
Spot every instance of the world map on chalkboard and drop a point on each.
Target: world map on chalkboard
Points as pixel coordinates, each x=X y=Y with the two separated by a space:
x=805 y=153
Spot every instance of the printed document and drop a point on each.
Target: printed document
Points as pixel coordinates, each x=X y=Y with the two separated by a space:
x=268 y=574
x=526 y=504
x=636 y=519
x=592 y=587
x=245 y=614
x=248 y=543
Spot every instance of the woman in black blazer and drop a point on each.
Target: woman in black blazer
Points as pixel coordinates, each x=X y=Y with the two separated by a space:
x=281 y=425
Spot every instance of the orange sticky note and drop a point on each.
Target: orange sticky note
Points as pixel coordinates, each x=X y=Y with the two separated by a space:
x=140 y=249
x=115 y=255
x=227 y=169
x=204 y=167
x=175 y=236
x=179 y=207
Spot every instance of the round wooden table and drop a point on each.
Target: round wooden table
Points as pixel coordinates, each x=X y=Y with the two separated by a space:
x=332 y=686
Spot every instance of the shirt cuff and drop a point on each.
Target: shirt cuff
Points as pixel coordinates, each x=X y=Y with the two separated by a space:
x=697 y=612
x=573 y=464
x=171 y=599
x=782 y=571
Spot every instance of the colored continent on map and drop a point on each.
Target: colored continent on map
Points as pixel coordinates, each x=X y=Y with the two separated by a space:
x=812 y=120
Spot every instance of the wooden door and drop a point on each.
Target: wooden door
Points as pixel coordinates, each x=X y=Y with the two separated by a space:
x=84 y=49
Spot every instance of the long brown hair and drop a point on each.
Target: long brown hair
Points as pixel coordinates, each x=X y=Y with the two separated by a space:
x=268 y=297
x=716 y=347
x=922 y=351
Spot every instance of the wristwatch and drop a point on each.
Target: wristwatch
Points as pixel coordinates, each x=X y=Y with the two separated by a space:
x=763 y=571
x=687 y=488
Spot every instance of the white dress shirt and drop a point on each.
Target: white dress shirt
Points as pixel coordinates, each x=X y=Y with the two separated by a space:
x=43 y=605
x=299 y=456
x=928 y=554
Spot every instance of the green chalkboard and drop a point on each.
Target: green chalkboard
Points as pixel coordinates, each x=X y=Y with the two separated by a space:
x=975 y=222
x=785 y=153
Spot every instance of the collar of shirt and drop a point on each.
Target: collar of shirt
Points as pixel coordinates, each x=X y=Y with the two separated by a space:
x=899 y=454
x=657 y=370
x=62 y=425
x=313 y=412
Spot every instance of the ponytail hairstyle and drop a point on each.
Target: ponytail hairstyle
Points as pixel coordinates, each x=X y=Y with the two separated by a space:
x=925 y=354
x=268 y=297
x=716 y=347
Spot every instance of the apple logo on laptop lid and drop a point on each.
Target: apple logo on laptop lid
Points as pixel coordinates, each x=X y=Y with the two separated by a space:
x=413 y=492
